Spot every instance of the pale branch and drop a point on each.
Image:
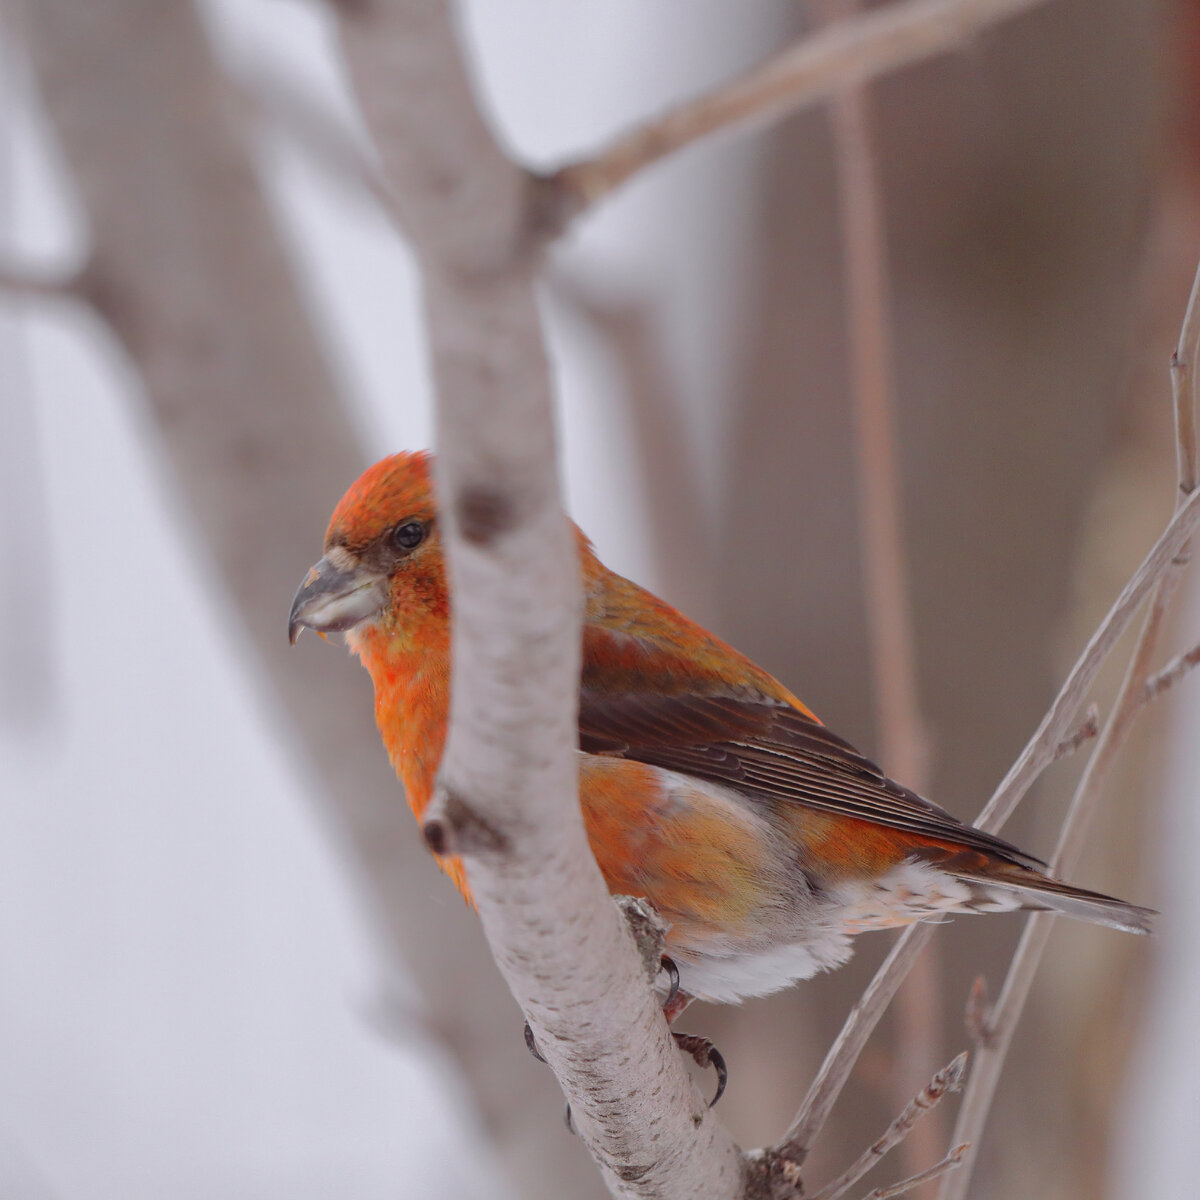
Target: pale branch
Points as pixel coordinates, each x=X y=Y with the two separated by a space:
x=948 y=1164
x=948 y=1079
x=1087 y=729
x=847 y=53
x=508 y=780
x=1172 y=673
x=1036 y=756
x=1131 y=699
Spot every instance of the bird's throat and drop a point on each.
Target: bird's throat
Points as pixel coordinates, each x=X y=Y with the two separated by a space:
x=412 y=703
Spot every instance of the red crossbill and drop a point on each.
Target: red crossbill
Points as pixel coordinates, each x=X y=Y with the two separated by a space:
x=706 y=786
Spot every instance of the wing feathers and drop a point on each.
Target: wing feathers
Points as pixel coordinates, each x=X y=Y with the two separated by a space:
x=763 y=747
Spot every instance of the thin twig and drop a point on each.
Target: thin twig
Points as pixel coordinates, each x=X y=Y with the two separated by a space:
x=1130 y=700
x=949 y=1163
x=1172 y=673
x=1087 y=729
x=948 y=1079
x=845 y=54
x=1037 y=755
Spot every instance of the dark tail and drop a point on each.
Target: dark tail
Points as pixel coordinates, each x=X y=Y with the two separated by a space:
x=1009 y=886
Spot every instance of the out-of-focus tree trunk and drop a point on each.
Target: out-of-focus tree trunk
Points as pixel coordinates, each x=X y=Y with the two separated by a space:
x=188 y=270
x=1015 y=187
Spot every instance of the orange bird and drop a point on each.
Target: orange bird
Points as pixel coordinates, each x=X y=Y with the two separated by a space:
x=706 y=786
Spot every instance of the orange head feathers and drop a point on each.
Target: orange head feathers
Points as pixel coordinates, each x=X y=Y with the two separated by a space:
x=706 y=786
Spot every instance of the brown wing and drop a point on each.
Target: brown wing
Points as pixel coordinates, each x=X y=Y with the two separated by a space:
x=764 y=748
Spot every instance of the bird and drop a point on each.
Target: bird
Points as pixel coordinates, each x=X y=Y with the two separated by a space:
x=765 y=841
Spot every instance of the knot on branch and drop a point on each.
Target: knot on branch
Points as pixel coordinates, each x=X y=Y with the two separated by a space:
x=649 y=931
x=553 y=201
x=484 y=513
x=454 y=828
x=772 y=1174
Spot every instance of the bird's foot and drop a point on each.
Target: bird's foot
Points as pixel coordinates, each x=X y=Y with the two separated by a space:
x=705 y=1054
x=701 y=1049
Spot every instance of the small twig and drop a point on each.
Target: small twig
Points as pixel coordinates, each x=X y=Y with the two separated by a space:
x=948 y=1079
x=952 y=1160
x=1087 y=729
x=1036 y=756
x=1130 y=700
x=1171 y=674
x=817 y=66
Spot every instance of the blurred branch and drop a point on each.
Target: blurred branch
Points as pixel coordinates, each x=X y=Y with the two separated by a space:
x=903 y=735
x=329 y=141
x=824 y=63
x=1038 y=754
x=1131 y=699
x=675 y=504
x=189 y=272
x=517 y=612
x=1183 y=391
x=27 y=282
x=948 y=1079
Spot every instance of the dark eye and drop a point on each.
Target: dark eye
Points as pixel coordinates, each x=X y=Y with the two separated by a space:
x=408 y=536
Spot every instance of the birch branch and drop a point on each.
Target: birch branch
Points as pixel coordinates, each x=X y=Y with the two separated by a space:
x=507 y=798
x=1131 y=699
x=848 y=53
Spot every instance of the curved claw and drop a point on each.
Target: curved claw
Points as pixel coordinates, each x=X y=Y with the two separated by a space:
x=531 y=1044
x=668 y=965
x=705 y=1054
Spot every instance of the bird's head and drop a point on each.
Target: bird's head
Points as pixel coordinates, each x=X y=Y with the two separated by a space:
x=382 y=556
